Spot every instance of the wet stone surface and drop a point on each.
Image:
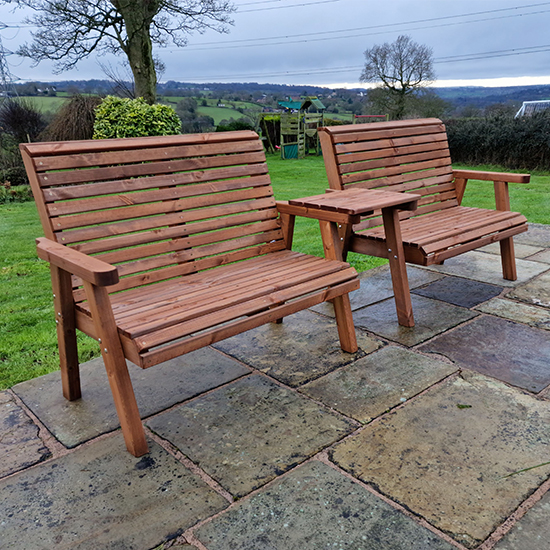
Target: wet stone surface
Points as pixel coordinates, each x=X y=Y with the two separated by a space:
x=534 y=316
x=543 y=256
x=20 y=445
x=446 y=456
x=535 y=292
x=460 y=292
x=376 y=285
x=100 y=496
x=538 y=235
x=248 y=432
x=533 y=530
x=156 y=389
x=431 y=318
x=374 y=384
x=301 y=348
x=480 y=266
x=499 y=348
x=316 y=508
x=520 y=250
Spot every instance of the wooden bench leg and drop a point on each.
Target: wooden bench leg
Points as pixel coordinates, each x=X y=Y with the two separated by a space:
x=344 y=321
x=398 y=269
x=508 y=259
x=117 y=370
x=66 y=332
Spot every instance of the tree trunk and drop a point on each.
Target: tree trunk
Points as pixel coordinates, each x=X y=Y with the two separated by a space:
x=138 y=16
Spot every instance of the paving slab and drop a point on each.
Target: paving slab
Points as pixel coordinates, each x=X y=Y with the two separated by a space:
x=431 y=317
x=156 y=389
x=316 y=508
x=487 y=268
x=301 y=348
x=537 y=235
x=20 y=445
x=520 y=250
x=535 y=292
x=460 y=292
x=515 y=311
x=249 y=432
x=543 y=256
x=376 y=383
x=511 y=352
x=100 y=496
x=376 y=286
x=448 y=455
x=532 y=532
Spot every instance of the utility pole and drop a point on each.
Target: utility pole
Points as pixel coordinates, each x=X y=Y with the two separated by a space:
x=7 y=88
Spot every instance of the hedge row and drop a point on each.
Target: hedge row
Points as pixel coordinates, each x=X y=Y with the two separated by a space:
x=522 y=144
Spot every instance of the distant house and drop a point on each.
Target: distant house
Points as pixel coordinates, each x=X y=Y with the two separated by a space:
x=529 y=108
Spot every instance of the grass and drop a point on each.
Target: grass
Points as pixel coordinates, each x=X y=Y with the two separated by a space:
x=28 y=347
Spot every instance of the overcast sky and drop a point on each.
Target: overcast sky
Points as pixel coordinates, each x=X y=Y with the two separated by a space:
x=321 y=42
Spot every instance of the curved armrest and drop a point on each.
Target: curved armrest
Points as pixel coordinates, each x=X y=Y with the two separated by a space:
x=491 y=176
x=88 y=268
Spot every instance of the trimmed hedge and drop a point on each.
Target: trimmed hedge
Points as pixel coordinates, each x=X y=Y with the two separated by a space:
x=517 y=144
x=122 y=117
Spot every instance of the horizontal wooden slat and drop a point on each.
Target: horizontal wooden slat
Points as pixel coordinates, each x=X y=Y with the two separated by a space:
x=125 y=171
x=162 y=220
x=56 y=148
x=154 y=195
x=349 y=150
x=147 y=154
x=130 y=212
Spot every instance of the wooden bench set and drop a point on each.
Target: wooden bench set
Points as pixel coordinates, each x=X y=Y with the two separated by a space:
x=160 y=246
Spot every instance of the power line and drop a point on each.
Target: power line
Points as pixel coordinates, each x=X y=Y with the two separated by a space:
x=265 y=42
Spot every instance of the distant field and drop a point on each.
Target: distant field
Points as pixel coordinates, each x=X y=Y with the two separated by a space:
x=46 y=104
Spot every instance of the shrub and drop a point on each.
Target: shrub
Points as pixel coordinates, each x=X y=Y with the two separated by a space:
x=21 y=120
x=17 y=193
x=522 y=144
x=75 y=120
x=122 y=117
x=232 y=124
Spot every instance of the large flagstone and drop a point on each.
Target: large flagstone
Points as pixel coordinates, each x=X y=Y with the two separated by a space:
x=448 y=455
x=20 y=445
x=431 y=317
x=535 y=292
x=514 y=353
x=156 y=389
x=481 y=266
x=376 y=383
x=515 y=311
x=532 y=532
x=100 y=496
x=250 y=431
x=301 y=348
x=316 y=508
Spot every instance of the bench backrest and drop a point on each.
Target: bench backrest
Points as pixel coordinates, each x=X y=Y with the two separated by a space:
x=157 y=207
x=405 y=156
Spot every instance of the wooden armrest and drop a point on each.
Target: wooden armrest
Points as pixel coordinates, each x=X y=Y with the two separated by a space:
x=491 y=176
x=88 y=268
x=322 y=215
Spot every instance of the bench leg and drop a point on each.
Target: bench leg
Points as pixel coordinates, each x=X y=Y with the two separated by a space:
x=508 y=259
x=117 y=370
x=344 y=321
x=398 y=269
x=66 y=332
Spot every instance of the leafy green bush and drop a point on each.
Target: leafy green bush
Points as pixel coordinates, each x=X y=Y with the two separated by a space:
x=122 y=117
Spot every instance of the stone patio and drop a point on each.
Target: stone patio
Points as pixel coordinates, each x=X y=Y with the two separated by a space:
x=436 y=437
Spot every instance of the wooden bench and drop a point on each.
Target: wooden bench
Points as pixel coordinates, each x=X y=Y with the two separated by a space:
x=412 y=156
x=160 y=246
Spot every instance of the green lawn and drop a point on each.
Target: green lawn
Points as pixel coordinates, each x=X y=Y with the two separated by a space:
x=28 y=345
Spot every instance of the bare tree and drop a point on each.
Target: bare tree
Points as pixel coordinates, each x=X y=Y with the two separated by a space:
x=402 y=67
x=71 y=30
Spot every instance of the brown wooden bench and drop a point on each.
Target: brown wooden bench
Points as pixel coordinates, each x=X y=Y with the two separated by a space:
x=412 y=156
x=160 y=246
